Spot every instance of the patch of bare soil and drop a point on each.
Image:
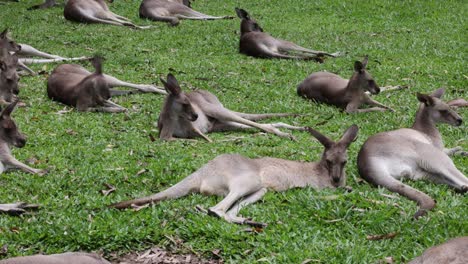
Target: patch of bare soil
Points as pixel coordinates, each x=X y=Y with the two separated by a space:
x=157 y=255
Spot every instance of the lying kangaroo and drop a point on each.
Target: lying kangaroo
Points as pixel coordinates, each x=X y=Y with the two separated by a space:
x=172 y=11
x=25 y=51
x=349 y=94
x=244 y=181
x=10 y=135
x=189 y=115
x=73 y=85
x=453 y=251
x=65 y=258
x=254 y=42
x=8 y=77
x=95 y=11
x=415 y=153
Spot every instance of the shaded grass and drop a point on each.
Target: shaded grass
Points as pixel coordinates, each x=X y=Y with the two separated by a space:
x=419 y=43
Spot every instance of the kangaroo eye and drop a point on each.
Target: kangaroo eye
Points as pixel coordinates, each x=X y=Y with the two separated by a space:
x=444 y=112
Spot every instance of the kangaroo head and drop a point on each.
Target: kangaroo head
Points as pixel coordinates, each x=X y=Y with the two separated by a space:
x=247 y=24
x=439 y=111
x=362 y=79
x=7 y=43
x=8 y=130
x=8 y=76
x=177 y=100
x=335 y=157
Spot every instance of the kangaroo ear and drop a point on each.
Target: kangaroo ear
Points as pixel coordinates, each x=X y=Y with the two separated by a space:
x=242 y=14
x=349 y=135
x=438 y=93
x=97 y=63
x=358 y=67
x=325 y=141
x=9 y=109
x=4 y=33
x=364 y=62
x=426 y=99
x=171 y=85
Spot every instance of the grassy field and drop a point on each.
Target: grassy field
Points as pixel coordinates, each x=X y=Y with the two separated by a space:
x=422 y=44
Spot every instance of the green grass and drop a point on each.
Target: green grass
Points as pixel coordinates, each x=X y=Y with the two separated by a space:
x=422 y=44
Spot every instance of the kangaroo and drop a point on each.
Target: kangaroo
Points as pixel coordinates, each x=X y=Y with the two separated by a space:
x=65 y=258
x=415 y=153
x=17 y=208
x=453 y=251
x=189 y=115
x=73 y=85
x=45 y=5
x=459 y=102
x=329 y=88
x=95 y=11
x=254 y=42
x=8 y=77
x=244 y=181
x=172 y=11
x=24 y=51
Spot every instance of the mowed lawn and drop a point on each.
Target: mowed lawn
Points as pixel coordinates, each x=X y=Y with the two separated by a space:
x=420 y=44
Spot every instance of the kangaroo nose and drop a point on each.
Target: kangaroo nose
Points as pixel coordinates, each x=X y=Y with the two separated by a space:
x=377 y=90
x=459 y=121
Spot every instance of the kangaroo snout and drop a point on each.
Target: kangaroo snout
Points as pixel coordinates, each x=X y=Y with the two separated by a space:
x=459 y=122
x=20 y=142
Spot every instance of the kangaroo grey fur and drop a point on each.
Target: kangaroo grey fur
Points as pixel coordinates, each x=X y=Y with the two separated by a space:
x=9 y=77
x=454 y=251
x=73 y=85
x=172 y=11
x=243 y=181
x=256 y=43
x=95 y=11
x=349 y=95
x=415 y=153
x=64 y=258
x=189 y=115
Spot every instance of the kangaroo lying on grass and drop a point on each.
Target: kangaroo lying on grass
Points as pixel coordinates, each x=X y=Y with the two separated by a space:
x=25 y=51
x=95 y=11
x=8 y=77
x=415 y=153
x=73 y=85
x=11 y=136
x=244 y=181
x=189 y=115
x=254 y=42
x=171 y=11
x=65 y=258
x=453 y=251
x=349 y=94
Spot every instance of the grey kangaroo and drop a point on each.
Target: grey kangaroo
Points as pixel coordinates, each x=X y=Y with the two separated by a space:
x=254 y=42
x=453 y=251
x=24 y=52
x=95 y=11
x=11 y=136
x=244 y=181
x=65 y=258
x=8 y=77
x=73 y=85
x=172 y=11
x=349 y=95
x=189 y=115
x=415 y=153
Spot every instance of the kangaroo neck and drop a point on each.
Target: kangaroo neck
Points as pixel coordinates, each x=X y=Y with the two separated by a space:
x=426 y=125
x=352 y=87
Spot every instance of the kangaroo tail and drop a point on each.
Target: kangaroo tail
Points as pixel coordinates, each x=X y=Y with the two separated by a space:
x=180 y=189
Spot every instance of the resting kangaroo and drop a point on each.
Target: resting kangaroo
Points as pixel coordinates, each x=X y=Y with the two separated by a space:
x=244 y=181
x=254 y=42
x=95 y=11
x=349 y=94
x=188 y=115
x=65 y=258
x=73 y=85
x=415 y=153
x=171 y=11
x=454 y=251
x=11 y=136
x=8 y=77
x=25 y=51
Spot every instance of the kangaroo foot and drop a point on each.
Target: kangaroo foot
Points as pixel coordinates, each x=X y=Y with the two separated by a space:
x=17 y=208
